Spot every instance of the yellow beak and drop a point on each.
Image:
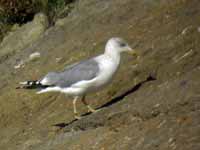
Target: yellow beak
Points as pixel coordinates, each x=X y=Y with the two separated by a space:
x=132 y=52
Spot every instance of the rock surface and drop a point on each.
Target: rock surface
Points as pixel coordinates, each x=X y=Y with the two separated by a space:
x=154 y=104
x=24 y=36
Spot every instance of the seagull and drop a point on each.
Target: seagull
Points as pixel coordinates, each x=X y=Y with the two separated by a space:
x=84 y=77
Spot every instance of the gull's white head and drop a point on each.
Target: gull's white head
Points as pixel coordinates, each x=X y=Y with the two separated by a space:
x=118 y=45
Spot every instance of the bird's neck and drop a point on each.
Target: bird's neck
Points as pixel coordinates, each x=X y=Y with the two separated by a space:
x=112 y=54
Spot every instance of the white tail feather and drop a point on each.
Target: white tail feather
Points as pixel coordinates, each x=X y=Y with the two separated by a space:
x=23 y=83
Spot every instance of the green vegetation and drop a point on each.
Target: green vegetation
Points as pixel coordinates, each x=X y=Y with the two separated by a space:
x=22 y=11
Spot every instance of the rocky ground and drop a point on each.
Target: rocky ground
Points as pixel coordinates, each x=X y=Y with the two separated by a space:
x=153 y=103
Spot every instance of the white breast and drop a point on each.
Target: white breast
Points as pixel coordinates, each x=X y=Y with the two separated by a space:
x=108 y=68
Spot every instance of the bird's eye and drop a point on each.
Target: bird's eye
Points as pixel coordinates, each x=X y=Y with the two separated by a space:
x=122 y=44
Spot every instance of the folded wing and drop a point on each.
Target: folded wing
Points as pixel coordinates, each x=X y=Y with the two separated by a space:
x=85 y=70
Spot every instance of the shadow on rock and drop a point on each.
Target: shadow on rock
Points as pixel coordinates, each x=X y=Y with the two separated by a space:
x=111 y=102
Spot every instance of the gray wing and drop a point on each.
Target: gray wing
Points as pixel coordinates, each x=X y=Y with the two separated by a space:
x=85 y=70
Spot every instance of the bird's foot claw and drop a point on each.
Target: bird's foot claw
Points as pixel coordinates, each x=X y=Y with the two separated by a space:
x=93 y=110
x=77 y=117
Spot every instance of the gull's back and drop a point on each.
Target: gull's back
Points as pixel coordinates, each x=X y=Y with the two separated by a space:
x=84 y=70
